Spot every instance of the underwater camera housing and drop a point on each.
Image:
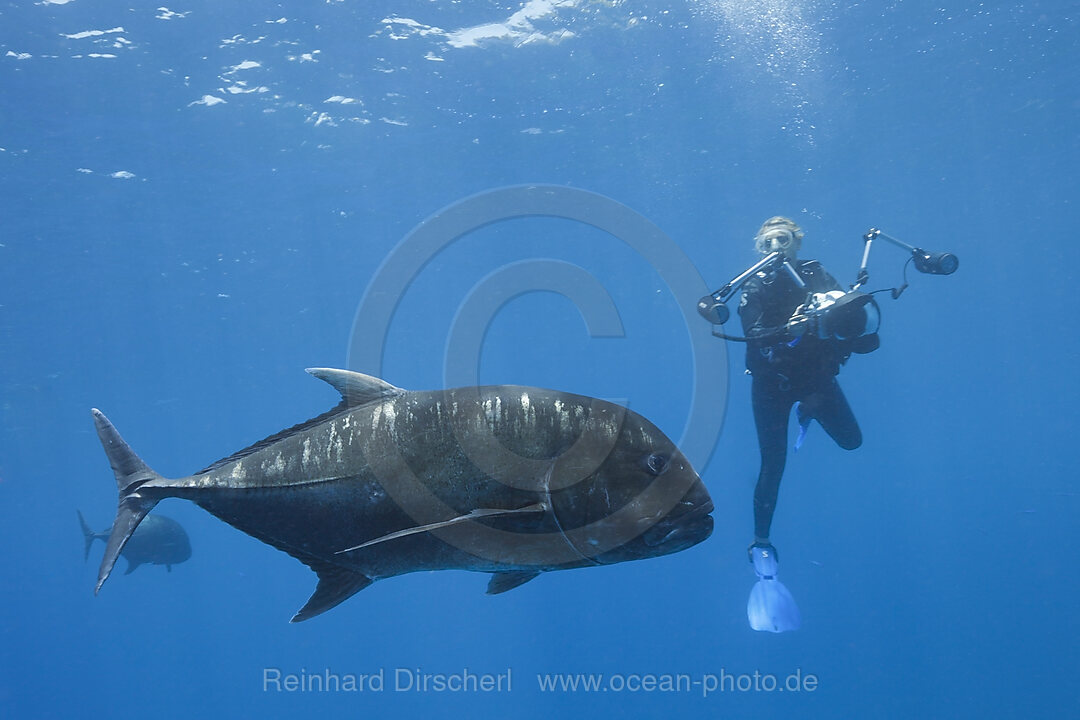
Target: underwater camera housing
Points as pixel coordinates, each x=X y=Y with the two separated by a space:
x=837 y=315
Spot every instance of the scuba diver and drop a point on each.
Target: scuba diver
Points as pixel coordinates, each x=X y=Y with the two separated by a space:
x=789 y=367
x=800 y=326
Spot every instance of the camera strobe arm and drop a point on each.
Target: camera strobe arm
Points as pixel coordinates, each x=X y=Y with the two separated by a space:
x=713 y=307
x=925 y=261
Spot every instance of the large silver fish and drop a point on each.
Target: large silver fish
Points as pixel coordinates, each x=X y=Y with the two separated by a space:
x=504 y=479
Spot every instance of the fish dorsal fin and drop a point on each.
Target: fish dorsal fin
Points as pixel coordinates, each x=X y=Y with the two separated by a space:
x=356 y=388
x=287 y=432
x=471 y=515
x=502 y=581
x=336 y=585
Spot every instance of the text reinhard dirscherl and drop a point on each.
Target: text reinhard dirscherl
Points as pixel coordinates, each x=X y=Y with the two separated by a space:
x=415 y=680
x=396 y=680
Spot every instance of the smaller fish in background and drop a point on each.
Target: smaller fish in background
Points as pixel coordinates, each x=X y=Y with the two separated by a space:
x=157 y=541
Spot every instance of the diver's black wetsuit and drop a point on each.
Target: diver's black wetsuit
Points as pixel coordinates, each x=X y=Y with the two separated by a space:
x=787 y=370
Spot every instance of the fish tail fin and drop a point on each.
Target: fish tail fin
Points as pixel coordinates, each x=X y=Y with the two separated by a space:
x=132 y=506
x=88 y=536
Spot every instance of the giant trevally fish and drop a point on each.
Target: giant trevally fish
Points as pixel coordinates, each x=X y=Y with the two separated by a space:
x=159 y=540
x=504 y=479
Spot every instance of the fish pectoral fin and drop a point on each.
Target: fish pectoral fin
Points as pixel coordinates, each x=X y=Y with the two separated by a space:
x=471 y=515
x=502 y=581
x=336 y=585
x=356 y=388
x=131 y=567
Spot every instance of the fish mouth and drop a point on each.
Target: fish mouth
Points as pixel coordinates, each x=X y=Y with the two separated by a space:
x=683 y=530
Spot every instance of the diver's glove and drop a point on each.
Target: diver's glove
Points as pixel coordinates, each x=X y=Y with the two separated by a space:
x=800 y=324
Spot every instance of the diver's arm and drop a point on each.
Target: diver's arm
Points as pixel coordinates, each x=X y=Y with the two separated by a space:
x=752 y=314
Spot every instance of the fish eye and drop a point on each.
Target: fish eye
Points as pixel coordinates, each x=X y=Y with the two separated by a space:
x=656 y=463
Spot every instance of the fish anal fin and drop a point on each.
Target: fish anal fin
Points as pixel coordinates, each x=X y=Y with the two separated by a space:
x=502 y=581
x=356 y=388
x=336 y=585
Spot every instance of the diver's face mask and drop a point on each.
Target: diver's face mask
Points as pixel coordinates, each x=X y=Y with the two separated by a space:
x=777 y=239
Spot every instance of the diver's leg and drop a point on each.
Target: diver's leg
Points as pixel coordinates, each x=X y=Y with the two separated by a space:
x=830 y=408
x=771 y=409
x=771 y=606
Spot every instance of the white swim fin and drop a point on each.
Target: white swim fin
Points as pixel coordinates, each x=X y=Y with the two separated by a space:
x=771 y=607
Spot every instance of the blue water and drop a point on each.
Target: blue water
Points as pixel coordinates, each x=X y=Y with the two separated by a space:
x=195 y=201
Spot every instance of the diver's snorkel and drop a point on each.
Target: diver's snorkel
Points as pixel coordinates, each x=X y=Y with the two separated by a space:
x=713 y=307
